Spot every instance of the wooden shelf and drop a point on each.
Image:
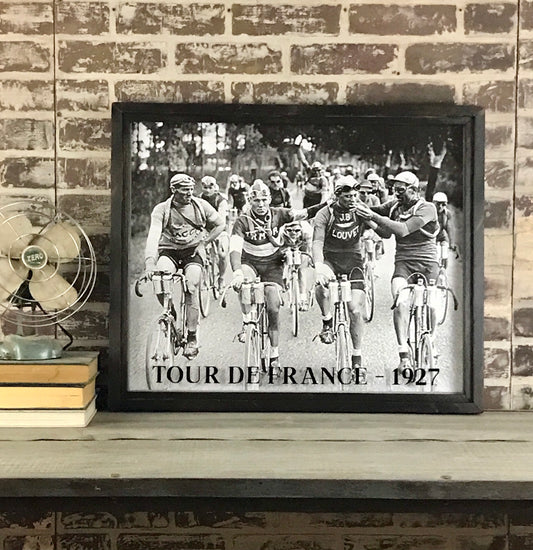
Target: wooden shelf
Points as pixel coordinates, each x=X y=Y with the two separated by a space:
x=274 y=456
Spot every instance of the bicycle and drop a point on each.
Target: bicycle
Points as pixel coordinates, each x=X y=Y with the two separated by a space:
x=256 y=341
x=444 y=290
x=293 y=262
x=167 y=336
x=209 y=279
x=369 y=257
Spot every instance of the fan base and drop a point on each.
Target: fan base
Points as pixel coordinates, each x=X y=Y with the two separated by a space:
x=29 y=348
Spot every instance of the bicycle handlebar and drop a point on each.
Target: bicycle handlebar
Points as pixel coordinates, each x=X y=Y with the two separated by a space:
x=145 y=278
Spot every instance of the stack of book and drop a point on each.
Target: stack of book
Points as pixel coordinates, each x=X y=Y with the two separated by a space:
x=52 y=393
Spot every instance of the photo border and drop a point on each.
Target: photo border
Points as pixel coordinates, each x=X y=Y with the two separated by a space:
x=470 y=118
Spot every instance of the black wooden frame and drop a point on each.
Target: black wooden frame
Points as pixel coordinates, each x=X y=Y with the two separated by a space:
x=469 y=118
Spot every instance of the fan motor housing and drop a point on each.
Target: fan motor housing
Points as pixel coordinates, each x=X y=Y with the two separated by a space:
x=34 y=257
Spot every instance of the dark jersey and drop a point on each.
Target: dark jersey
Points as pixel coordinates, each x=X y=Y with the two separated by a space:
x=257 y=247
x=280 y=198
x=340 y=230
x=214 y=200
x=238 y=196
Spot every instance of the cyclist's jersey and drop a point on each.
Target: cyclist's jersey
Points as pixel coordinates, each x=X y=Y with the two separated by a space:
x=420 y=244
x=182 y=226
x=340 y=230
x=315 y=186
x=238 y=196
x=214 y=200
x=280 y=197
x=303 y=243
x=444 y=218
x=257 y=247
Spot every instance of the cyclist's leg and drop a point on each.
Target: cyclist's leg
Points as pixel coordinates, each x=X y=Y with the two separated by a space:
x=165 y=263
x=401 y=313
x=273 y=274
x=355 y=311
x=222 y=254
x=324 y=303
x=306 y=280
x=431 y=271
x=193 y=272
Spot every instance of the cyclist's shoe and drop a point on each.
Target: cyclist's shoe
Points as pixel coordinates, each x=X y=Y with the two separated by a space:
x=220 y=283
x=241 y=337
x=303 y=305
x=275 y=367
x=326 y=335
x=190 y=351
x=405 y=363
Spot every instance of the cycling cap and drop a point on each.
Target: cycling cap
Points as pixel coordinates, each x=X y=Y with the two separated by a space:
x=234 y=178
x=440 y=197
x=369 y=171
x=373 y=177
x=181 y=179
x=316 y=165
x=259 y=190
x=294 y=225
x=208 y=181
x=408 y=178
x=346 y=183
x=365 y=186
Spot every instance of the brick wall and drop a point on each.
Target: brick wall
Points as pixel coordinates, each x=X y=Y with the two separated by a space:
x=173 y=530
x=63 y=63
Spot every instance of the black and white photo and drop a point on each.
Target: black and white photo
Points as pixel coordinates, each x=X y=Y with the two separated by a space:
x=297 y=258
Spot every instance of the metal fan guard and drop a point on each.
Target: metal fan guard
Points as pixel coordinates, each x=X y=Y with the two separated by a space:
x=81 y=272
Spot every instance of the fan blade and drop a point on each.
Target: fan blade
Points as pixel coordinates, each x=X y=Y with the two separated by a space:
x=61 y=242
x=16 y=233
x=51 y=290
x=12 y=275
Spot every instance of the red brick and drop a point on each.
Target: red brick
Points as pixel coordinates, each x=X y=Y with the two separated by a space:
x=498 y=136
x=497 y=364
x=526 y=15
x=221 y=58
x=30 y=172
x=458 y=57
x=525 y=57
x=284 y=92
x=342 y=58
x=497 y=328
x=25 y=56
x=87 y=210
x=109 y=57
x=101 y=247
x=499 y=174
x=167 y=91
x=83 y=95
x=523 y=321
x=26 y=95
x=495 y=398
x=497 y=284
x=523 y=361
x=525 y=93
x=81 y=520
x=455 y=520
x=481 y=542
x=84 y=173
x=29 y=541
x=496 y=95
x=396 y=542
x=261 y=19
x=84 y=542
x=26 y=18
x=525 y=132
x=497 y=17
x=26 y=134
x=524 y=205
x=27 y=520
x=390 y=92
x=225 y=520
x=193 y=19
x=79 y=134
x=498 y=214
x=289 y=542
x=387 y=19
x=82 y=17
x=169 y=542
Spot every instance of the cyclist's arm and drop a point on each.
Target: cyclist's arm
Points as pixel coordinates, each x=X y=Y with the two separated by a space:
x=423 y=216
x=306 y=213
x=319 y=236
x=235 y=252
x=214 y=223
x=154 y=234
x=223 y=209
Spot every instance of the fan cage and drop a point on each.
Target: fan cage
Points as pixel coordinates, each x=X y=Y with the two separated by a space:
x=80 y=272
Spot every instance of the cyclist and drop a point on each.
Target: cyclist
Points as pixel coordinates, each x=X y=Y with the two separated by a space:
x=255 y=251
x=179 y=229
x=370 y=199
x=237 y=192
x=316 y=185
x=444 y=237
x=212 y=194
x=279 y=195
x=413 y=222
x=298 y=235
x=377 y=184
x=337 y=251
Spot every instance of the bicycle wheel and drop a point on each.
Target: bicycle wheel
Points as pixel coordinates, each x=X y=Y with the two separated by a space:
x=204 y=293
x=425 y=353
x=214 y=274
x=295 y=298
x=442 y=297
x=342 y=348
x=368 y=312
x=159 y=351
x=252 y=347
x=412 y=337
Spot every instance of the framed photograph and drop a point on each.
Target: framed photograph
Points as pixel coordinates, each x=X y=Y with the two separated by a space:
x=297 y=258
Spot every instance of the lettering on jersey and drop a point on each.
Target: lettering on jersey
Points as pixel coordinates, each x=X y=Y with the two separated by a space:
x=184 y=233
x=346 y=235
x=256 y=235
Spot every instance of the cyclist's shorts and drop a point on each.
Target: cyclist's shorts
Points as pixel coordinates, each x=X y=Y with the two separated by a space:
x=405 y=268
x=182 y=258
x=344 y=263
x=311 y=199
x=270 y=272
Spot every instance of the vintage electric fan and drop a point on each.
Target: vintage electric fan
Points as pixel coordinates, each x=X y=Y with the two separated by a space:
x=47 y=272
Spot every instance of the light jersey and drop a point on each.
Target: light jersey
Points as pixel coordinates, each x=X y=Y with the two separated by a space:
x=257 y=247
x=340 y=230
x=315 y=185
x=420 y=244
x=178 y=232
